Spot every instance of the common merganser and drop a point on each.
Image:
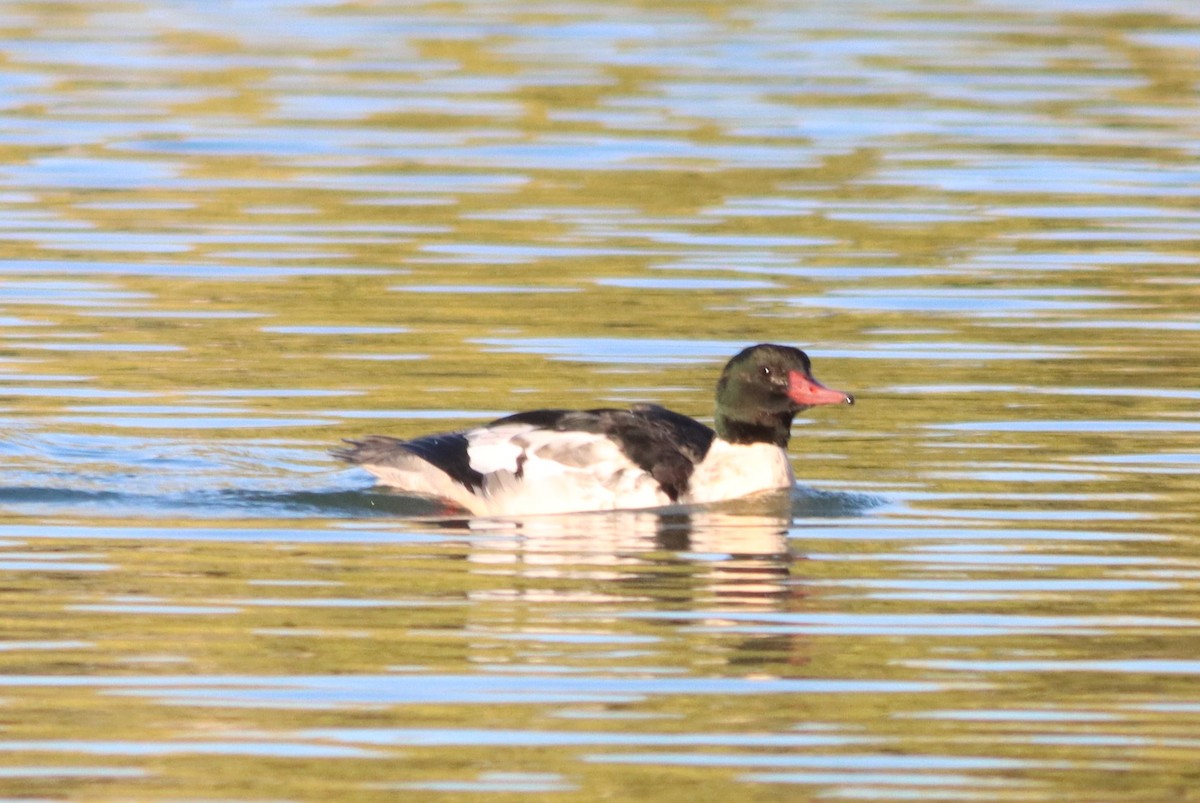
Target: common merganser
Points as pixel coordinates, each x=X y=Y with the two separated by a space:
x=564 y=461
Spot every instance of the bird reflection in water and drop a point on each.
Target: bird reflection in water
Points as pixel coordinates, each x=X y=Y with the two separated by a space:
x=735 y=553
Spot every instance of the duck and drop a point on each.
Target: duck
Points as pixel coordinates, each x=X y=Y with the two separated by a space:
x=554 y=461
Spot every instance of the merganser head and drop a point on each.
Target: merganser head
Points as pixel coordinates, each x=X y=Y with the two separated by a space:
x=761 y=390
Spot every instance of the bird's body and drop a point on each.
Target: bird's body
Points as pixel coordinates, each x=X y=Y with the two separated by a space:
x=560 y=461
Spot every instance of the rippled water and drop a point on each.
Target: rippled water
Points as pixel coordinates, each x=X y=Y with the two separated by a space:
x=236 y=232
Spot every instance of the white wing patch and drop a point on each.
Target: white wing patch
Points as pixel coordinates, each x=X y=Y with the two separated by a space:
x=527 y=469
x=493 y=449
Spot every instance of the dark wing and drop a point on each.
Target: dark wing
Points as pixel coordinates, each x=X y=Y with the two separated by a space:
x=446 y=452
x=694 y=438
x=664 y=443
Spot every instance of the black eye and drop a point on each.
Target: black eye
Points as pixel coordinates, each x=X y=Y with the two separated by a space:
x=766 y=370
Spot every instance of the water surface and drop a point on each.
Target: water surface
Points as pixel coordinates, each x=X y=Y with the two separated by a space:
x=235 y=233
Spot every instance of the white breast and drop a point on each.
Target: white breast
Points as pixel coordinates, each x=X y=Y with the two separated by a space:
x=732 y=470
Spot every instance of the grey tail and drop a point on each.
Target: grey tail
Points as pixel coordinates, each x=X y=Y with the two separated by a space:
x=372 y=450
x=445 y=452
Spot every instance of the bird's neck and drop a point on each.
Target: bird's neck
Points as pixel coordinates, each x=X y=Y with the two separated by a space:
x=776 y=429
